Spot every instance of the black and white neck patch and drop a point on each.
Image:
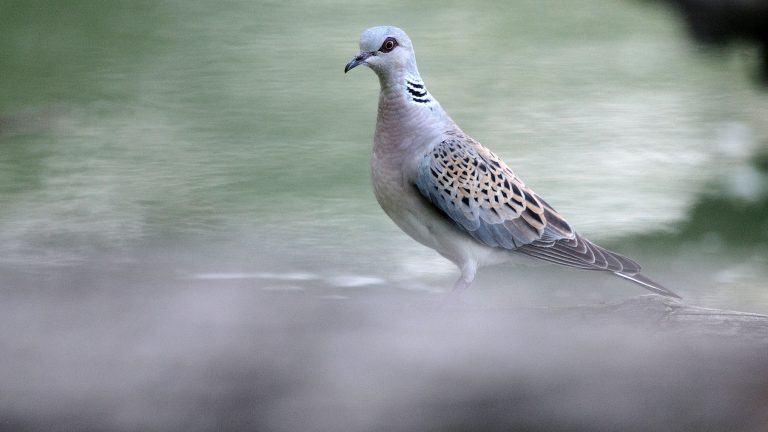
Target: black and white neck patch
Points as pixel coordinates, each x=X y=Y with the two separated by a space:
x=417 y=91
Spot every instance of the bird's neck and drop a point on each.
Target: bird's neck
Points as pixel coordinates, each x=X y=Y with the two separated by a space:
x=406 y=91
x=409 y=117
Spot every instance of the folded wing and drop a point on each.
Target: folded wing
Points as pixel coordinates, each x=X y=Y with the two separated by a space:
x=483 y=197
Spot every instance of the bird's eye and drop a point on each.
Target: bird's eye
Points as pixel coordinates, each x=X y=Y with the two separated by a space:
x=389 y=44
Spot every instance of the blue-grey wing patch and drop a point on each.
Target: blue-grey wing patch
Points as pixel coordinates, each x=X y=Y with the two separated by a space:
x=483 y=197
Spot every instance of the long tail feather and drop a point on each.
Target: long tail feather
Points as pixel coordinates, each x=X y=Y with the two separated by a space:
x=648 y=284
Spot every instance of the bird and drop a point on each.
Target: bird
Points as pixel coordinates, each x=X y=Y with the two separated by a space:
x=450 y=193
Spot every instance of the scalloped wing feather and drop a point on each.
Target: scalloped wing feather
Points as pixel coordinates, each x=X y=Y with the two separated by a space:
x=484 y=197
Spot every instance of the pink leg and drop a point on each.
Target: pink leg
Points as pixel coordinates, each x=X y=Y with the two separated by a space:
x=464 y=282
x=460 y=285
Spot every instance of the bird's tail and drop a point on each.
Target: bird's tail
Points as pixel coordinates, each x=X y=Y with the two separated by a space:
x=648 y=284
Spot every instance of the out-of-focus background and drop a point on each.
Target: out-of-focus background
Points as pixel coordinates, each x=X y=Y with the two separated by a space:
x=186 y=216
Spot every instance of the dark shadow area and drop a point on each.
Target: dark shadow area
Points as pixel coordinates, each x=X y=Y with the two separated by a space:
x=721 y=23
x=737 y=221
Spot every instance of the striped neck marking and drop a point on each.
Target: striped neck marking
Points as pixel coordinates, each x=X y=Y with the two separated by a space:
x=417 y=91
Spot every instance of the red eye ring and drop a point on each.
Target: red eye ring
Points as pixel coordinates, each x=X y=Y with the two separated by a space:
x=389 y=44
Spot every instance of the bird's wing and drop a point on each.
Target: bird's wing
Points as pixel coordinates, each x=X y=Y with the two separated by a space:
x=483 y=197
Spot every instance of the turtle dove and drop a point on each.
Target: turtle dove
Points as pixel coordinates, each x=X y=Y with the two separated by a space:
x=449 y=192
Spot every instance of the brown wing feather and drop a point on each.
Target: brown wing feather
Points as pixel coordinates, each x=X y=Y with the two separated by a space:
x=482 y=196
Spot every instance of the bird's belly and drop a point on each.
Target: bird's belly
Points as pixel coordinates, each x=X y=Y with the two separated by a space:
x=426 y=224
x=408 y=212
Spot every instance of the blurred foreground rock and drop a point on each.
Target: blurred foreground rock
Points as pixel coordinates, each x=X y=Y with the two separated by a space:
x=117 y=354
x=674 y=315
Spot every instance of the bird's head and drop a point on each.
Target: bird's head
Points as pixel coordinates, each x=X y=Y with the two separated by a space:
x=385 y=49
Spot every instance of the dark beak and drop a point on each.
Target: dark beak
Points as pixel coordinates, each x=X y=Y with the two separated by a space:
x=360 y=59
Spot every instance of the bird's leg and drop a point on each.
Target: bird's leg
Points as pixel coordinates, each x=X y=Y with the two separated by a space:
x=460 y=286
x=462 y=283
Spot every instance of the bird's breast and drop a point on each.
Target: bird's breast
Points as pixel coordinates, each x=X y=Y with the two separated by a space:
x=396 y=192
